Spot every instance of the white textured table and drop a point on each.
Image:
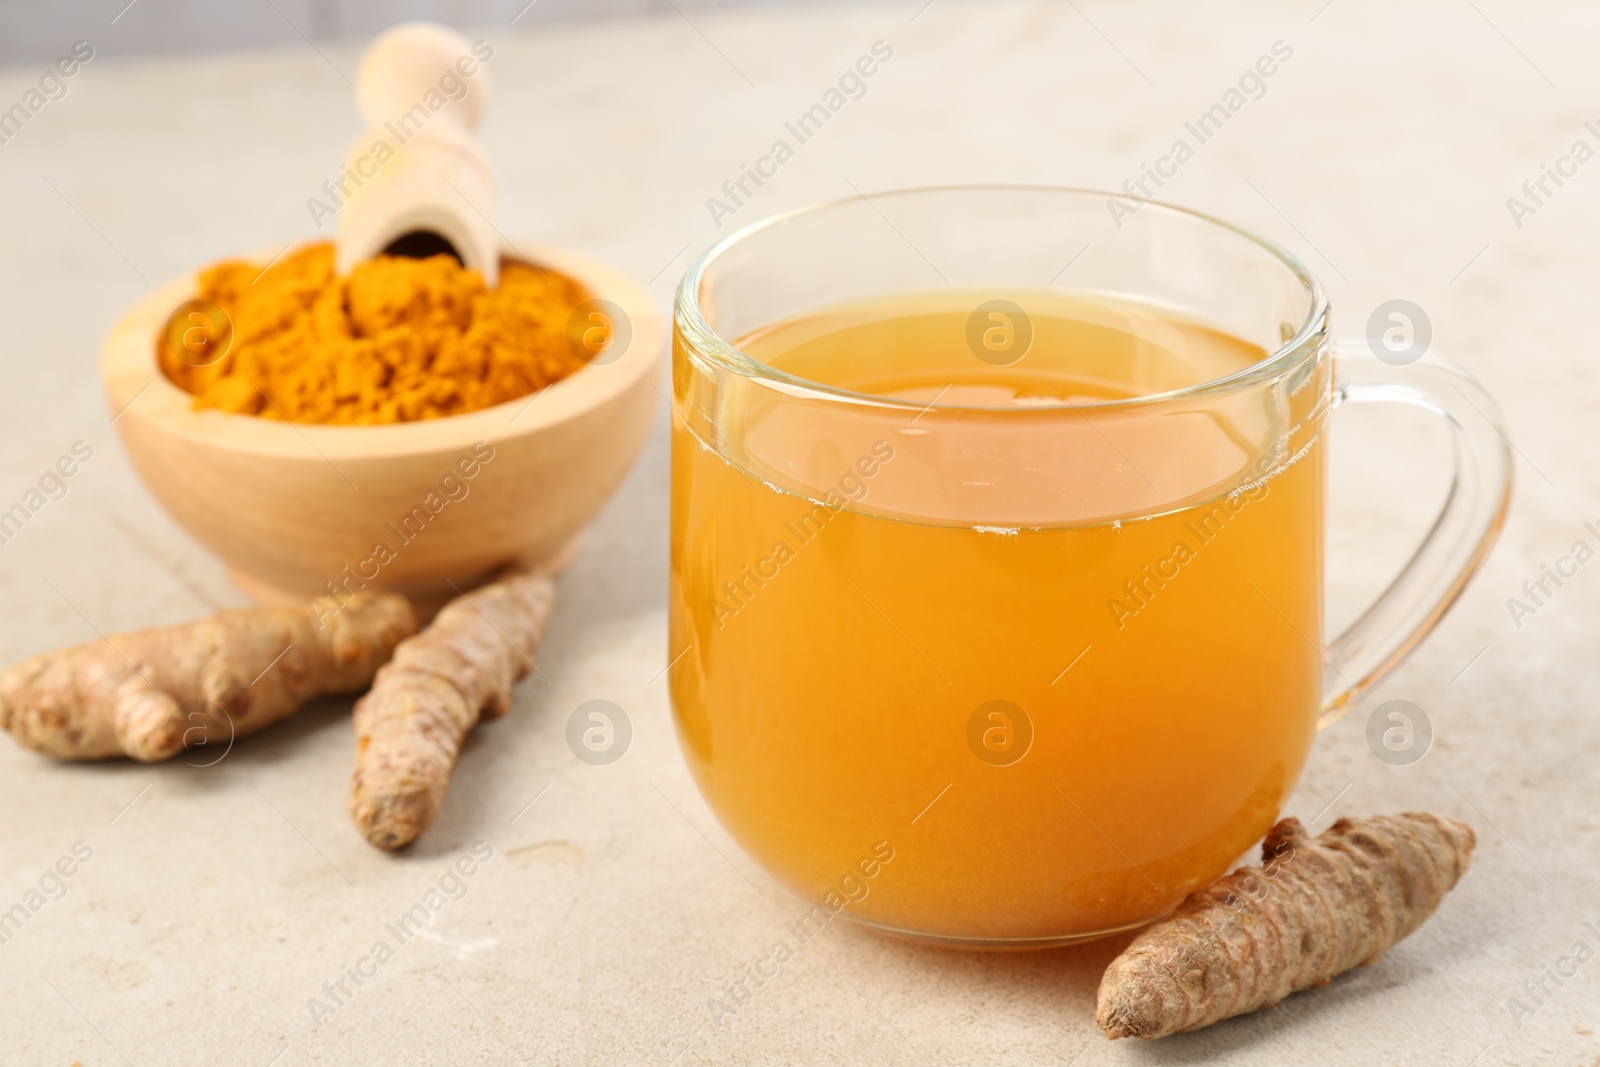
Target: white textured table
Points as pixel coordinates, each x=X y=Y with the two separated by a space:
x=218 y=900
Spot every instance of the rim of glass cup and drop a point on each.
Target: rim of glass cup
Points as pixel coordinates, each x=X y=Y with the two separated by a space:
x=689 y=318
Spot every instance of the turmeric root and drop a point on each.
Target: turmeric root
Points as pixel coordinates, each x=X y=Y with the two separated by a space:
x=440 y=684
x=151 y=693
x=1316 y=908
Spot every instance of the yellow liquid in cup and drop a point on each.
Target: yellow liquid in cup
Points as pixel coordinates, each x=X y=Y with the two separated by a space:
x=910 y=670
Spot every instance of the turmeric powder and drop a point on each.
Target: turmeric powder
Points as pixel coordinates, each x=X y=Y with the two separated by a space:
x=397 y=340
x=1316 y=908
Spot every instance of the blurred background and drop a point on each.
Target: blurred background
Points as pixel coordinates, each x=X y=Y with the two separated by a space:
x=31 y=31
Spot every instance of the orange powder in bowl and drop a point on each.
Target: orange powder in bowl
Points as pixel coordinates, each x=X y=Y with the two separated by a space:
x=397 y=340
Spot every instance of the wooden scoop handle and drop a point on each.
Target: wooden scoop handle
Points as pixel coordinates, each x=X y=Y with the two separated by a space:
x=418 y=180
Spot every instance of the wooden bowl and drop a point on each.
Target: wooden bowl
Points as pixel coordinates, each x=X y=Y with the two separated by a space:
x=423 y=508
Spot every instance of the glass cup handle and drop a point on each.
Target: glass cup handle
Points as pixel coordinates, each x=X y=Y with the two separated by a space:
x=1462 y=535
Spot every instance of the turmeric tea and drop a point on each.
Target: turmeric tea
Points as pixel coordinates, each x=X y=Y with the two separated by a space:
x=397 y=340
